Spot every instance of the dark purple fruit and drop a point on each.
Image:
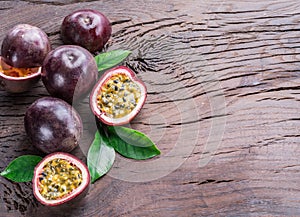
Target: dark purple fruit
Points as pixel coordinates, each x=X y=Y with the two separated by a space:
x=87 y=28
x=60 y=178
x=53 y=125
x=25 y=46
x=69 y=72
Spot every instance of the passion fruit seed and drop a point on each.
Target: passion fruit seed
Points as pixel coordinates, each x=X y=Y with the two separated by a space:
x=58 y=179
x=118 y=96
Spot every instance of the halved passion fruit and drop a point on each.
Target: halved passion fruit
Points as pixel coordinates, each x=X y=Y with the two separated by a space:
x=118 y=96
x=17 y=80
x=59 y=178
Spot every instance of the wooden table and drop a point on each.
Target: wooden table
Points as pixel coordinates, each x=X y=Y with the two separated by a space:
x=223 y=105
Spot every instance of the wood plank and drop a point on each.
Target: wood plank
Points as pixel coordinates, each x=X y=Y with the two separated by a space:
x=224 y=102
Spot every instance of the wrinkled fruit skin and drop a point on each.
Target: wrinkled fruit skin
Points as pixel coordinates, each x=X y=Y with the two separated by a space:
x=87 y=28
x=118 y=96
x=69 y=72
x=53 y=125
x=25 y=46
x=68 y=200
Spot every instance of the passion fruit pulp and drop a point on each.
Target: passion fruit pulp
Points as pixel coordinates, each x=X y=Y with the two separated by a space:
x=59 y=178
x=118 y=96
x=53 y=125
x=17 y=80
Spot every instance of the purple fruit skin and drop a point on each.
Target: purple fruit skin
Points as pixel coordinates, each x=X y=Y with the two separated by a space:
x=69 y=72
x=25 y=46
x=53 y=125
x=87 y=28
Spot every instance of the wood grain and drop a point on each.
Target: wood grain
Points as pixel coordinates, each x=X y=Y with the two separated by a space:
x=223 y=106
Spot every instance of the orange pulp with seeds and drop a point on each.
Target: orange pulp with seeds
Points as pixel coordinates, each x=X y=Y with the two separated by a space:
x=16 y=72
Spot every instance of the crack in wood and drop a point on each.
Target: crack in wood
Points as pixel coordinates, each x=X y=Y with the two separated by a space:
x=56 y=2
x=120 y=21
x=209 y=181
x=235 y=12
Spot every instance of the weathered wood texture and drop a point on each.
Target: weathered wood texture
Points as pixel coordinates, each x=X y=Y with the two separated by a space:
x=223 y=106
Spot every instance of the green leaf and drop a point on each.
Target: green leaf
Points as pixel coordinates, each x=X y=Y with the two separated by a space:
x=21 y=169
x=132 y=143
x=112 y=58
x=100 y=157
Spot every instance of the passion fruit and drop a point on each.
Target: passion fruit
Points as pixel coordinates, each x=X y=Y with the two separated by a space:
x=18 y=80
x=87 y=28
x=25 y=46
x=60 y=178
x=69 y=72
x=118 y=96
x=53 y=125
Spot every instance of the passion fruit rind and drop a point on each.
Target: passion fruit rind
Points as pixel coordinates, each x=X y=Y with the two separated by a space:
x=60 y=178
x=118 y=96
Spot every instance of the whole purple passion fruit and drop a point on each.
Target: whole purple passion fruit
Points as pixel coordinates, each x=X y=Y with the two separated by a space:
x=118 y=96
x=25 y=46
x=53 y=125
x=69 y=72
x=87 y=28
x=60 y=178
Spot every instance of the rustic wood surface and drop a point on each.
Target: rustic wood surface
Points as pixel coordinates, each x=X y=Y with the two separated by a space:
x=224 y=101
